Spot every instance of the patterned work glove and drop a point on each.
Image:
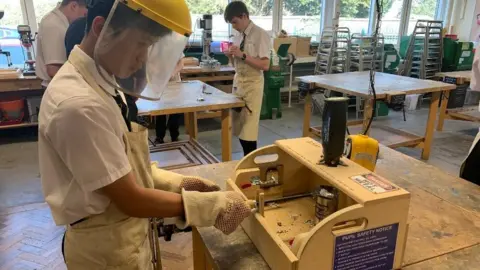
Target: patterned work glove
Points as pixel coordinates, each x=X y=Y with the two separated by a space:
x=174 y=182
x=224 y=210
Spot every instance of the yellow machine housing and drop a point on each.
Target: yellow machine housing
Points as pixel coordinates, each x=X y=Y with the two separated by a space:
x=362 y=150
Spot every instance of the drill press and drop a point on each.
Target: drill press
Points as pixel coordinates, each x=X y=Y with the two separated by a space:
x=27 y=42
x=207 y=61
x=7 y=54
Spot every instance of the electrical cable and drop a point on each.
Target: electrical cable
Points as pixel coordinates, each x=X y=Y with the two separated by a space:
x=379 y=10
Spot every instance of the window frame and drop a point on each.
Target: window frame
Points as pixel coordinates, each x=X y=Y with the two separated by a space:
x=326 y=15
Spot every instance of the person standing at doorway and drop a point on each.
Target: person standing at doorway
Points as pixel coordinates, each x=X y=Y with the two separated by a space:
x=250 y=54
x=51 y=53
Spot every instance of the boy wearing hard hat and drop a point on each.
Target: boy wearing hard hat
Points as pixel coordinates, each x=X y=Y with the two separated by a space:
x=96 y=172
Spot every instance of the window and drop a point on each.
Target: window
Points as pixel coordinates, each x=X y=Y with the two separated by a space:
x=421 y=10
x=392 y=13
x=302 y=18
x=354 y=14
x=261 y=13
x=214 y=7
x=42 y=7
x=9 y=38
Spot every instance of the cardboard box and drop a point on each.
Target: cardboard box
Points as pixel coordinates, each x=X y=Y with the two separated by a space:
x=288 y=40
x=299 y=46
x=303 y=46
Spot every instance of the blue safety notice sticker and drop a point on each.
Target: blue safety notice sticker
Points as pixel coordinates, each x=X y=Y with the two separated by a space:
x=366 y=250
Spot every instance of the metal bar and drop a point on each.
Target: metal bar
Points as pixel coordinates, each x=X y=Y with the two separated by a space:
x=289 y=198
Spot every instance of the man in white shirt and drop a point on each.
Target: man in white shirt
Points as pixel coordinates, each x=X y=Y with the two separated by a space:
x=97 y=177
x=51 y=53
x=251 y=55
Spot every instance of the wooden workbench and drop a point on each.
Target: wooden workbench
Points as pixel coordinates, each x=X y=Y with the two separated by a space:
x=444 y=219
x=20 y=87
x=470 y=113
x=221 y=79
x=184 y=98
x=357 y=84
x=225 y=73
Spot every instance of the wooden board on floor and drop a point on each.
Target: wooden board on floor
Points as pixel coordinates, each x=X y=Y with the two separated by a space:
x=181 y=155
x=184 y=97
x=357 y=84
x=385 y=135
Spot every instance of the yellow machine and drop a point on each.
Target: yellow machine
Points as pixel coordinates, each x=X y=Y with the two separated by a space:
x=362 y=150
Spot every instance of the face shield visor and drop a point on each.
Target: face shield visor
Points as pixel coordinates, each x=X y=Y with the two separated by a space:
x=136 y=54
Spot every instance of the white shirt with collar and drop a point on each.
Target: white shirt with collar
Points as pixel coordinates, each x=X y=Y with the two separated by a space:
x=475 y=80
x=81 y=147
x=51 y=43
x=257 y=42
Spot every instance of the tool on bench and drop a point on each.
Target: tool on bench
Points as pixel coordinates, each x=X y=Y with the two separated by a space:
x=206 y=24
x=27 y=42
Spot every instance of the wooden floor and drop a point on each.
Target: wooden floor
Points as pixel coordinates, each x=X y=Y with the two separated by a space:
x=29 y=239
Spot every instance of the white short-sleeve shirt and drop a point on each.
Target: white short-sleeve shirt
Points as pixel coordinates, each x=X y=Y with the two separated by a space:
x=81 y=147
x=51 y=43
x=257 y=43
x=475 y=81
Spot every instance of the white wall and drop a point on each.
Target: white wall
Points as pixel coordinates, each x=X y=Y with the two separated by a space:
x=464 y=12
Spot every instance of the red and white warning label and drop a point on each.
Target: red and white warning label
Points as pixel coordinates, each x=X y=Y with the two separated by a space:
x=374 y=183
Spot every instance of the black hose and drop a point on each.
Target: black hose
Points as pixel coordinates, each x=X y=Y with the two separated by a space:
x=379 y=9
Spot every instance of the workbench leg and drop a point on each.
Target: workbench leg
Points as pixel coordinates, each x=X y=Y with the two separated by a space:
x=307 y=115
x=192 y=123
x=432 y=116
x=199 y=260
x=187 y=123
x=443 y=110
x=226 y=135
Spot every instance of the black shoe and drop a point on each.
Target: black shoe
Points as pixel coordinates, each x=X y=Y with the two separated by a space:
x=175 y=139
x=159 y=141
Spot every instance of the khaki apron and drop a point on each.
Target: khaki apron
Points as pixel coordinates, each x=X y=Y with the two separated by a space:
x=470 y=169
x=248 y=85
x=113 y=240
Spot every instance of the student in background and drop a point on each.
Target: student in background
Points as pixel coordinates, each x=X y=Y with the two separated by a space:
x=51 y=52
x=173 y=123
x=250 y=53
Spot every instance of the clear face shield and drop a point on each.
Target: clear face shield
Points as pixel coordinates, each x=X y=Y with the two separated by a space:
x=135 y=54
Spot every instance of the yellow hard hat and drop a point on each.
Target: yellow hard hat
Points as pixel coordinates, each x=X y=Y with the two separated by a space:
x=144 y=39
x=173 y=14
